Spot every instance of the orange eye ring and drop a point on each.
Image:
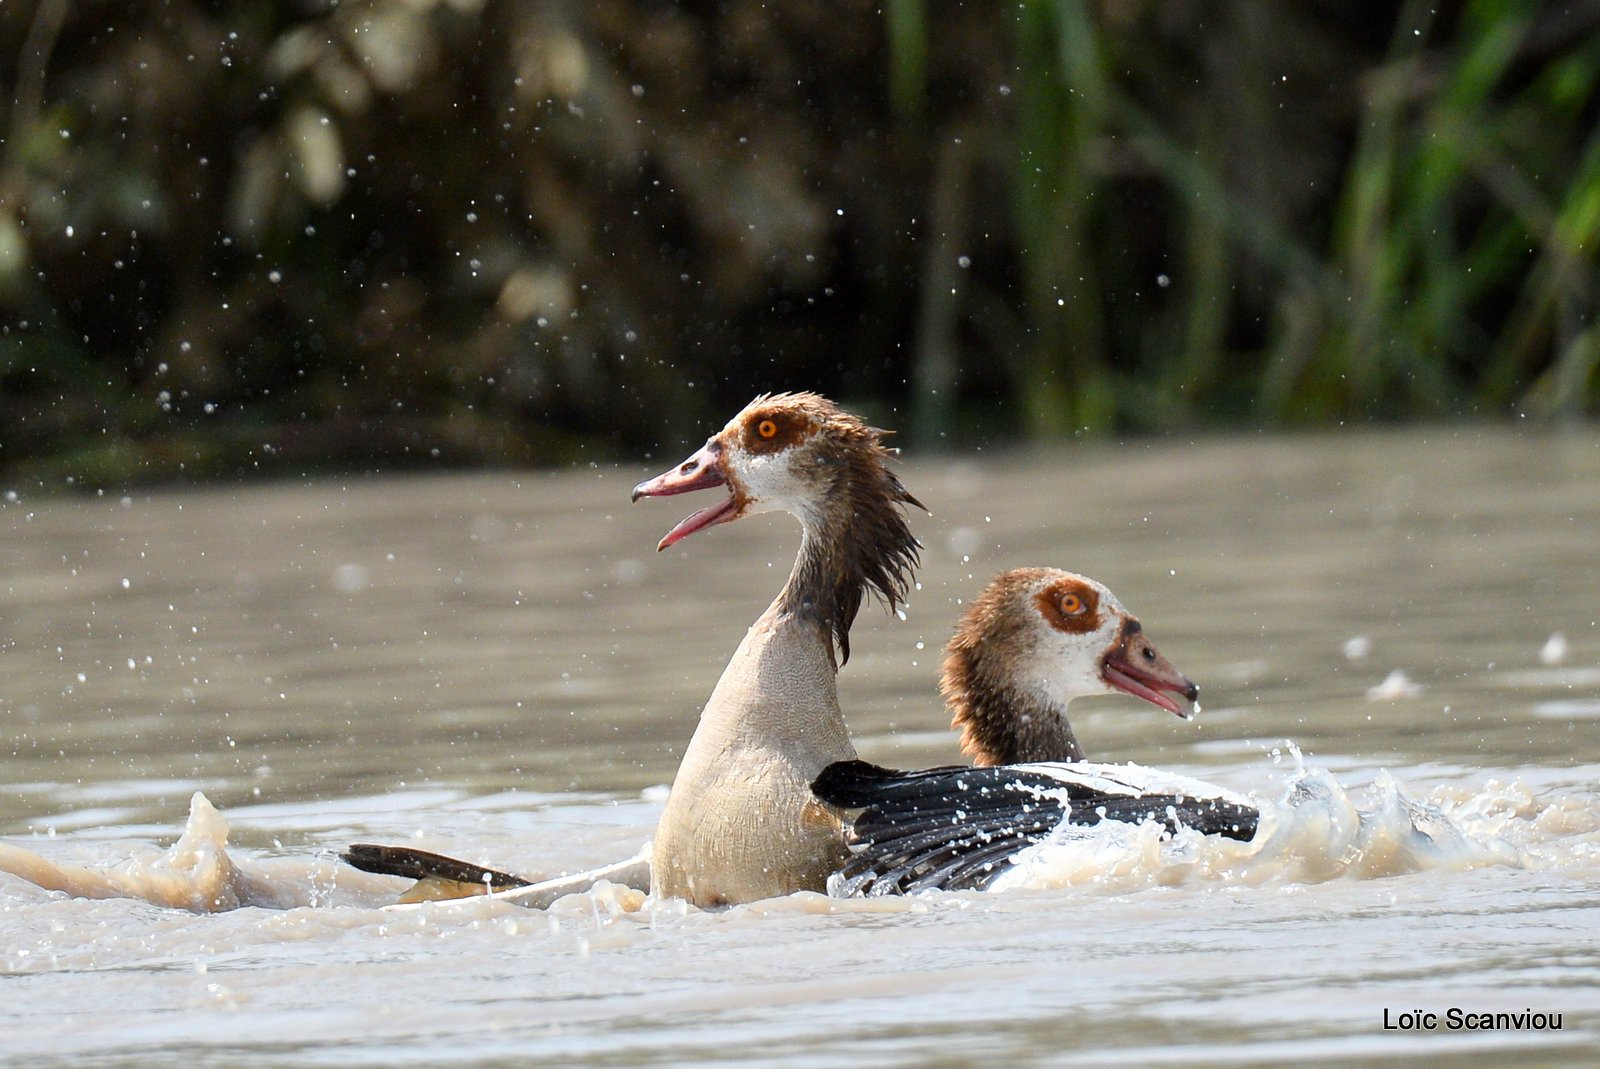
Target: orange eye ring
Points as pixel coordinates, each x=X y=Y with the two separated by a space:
x=1072 y=605
x=767 y=429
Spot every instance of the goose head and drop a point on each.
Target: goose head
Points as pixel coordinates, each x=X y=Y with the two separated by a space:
x=1034 y=640
x=800 y=453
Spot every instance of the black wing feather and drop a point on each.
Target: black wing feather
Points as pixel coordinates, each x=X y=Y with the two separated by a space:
x=421 y=865
x=960 y=828
x=890 y=859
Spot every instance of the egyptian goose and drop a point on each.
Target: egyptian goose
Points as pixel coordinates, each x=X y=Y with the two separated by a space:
x=1032 y=642
x=740 y=822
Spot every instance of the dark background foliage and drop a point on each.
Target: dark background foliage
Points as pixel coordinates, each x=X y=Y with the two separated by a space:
x=240 y=236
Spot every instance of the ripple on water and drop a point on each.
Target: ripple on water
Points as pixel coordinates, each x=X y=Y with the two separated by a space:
x=1569 y=709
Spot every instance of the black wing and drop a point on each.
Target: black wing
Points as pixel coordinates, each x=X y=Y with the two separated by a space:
x=961 y=828
x=422 y=865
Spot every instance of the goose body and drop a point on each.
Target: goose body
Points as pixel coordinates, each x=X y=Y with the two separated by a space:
x=740 y=822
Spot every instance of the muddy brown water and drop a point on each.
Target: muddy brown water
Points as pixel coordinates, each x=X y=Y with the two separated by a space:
x=500 y=666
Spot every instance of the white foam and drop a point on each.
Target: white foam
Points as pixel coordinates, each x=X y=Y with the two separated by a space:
x=1396 y=686
x=1554 y=650
x=1315 y=830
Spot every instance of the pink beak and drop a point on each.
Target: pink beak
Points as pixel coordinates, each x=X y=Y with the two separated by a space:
x=699 y=472
x=1136 y=667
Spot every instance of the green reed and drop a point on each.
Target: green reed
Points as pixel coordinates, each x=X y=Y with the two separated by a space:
x=1450 y=270
x=1063 y=381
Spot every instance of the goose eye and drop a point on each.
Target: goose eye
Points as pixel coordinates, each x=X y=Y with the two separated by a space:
x=1072 y=605
x=767 y=429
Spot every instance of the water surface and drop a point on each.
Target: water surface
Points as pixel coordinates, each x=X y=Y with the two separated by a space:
x=499 y=666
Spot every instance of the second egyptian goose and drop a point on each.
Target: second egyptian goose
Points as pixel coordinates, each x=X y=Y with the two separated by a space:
x=1032 y=642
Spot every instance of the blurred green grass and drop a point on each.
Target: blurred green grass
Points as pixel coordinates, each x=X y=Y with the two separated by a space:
x=240 y=237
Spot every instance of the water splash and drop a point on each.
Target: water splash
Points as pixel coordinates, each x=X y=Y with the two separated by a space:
x=1316 y=830
x=196 y=873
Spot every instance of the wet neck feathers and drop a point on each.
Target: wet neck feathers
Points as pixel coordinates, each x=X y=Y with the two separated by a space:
x=1001 y=723
x=854 y=539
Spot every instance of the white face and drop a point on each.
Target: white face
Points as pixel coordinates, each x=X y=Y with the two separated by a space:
x=765 y=469
x=770 y=482
x=1073 y=622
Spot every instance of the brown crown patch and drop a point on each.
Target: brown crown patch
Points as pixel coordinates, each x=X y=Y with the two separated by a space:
x=774 y=428
x=1070 y=605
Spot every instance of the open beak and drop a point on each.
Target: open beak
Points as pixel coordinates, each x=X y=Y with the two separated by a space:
x=1134 y=666
x=699 y=472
